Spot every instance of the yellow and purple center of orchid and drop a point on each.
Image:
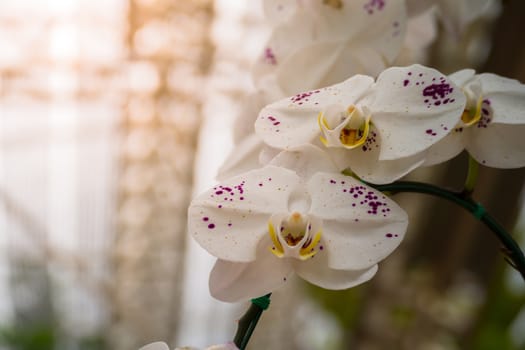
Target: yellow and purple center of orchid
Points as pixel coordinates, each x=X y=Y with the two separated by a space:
x=347 y=128
x=294 y=237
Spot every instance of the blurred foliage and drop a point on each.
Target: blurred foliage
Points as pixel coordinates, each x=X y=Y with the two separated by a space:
x=32 y=338
x=346 y=313
x=501 y=310
x=44 y=338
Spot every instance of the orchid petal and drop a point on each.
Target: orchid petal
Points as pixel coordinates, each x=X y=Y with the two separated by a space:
x=364 y=161
x=368 y=167
x=267 y=154
x=334 y=42
x=361 y=226
x=293 y=121
x=284 y=41
x=230 y=219
x=244 y=157
x=421 y=32
x=447 y=148
x=236 y=281
x=318 y=60
x=279 y=10
x=317 y=272
x=249 y=109
x=156 y=346
x=305 y=160
x=227 y=346
x=506 y=98
x=412 y=108
x=383 y=30
x=497 y=145
x=364 y=23
x=461 y=77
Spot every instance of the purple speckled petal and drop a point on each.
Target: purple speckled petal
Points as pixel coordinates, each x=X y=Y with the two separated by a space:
x=292 y=121
x=497 y=145
x=413 y=108
x=234 y=281
x=361 y=226
x=367 y=166
x=328 y=49
x=230 y=219
x=447 y=148
x=316 y=271
x=504 y=96
x=364 y=161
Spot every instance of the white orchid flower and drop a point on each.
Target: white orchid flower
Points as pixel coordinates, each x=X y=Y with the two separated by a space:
x=319 y=43
x=163 y=346
x=380 y=129
x=267 y=223
x=492 y=126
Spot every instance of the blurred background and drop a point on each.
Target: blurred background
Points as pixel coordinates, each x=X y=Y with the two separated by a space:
x=113 y=113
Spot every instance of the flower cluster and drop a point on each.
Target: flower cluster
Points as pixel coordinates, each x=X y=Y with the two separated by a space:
x=285 y=203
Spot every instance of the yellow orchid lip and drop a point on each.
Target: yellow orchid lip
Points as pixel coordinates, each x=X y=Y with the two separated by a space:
x=277 y=248
x=308 y=249
x=348 y=137
x=470 y=116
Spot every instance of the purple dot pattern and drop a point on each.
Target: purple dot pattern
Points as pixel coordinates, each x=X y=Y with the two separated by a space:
x=273 y=120
x=269 y=56
x=486 y=114
x=371 y=142
x=229 y=194
x=303 y=97
x=374 y=5
x=374 y=203
x=435 y=91
x=430 y=132
x=225 y=194
x=391 y=235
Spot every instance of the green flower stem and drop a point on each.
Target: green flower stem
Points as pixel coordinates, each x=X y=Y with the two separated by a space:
x=511 y=249
x=249 y=320
x=472 y=175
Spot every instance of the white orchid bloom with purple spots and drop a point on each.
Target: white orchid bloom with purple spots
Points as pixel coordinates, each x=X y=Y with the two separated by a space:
x=379 y=129
x=492 y=127
x=268 y=223
x=319 y=43
x=163 y=346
